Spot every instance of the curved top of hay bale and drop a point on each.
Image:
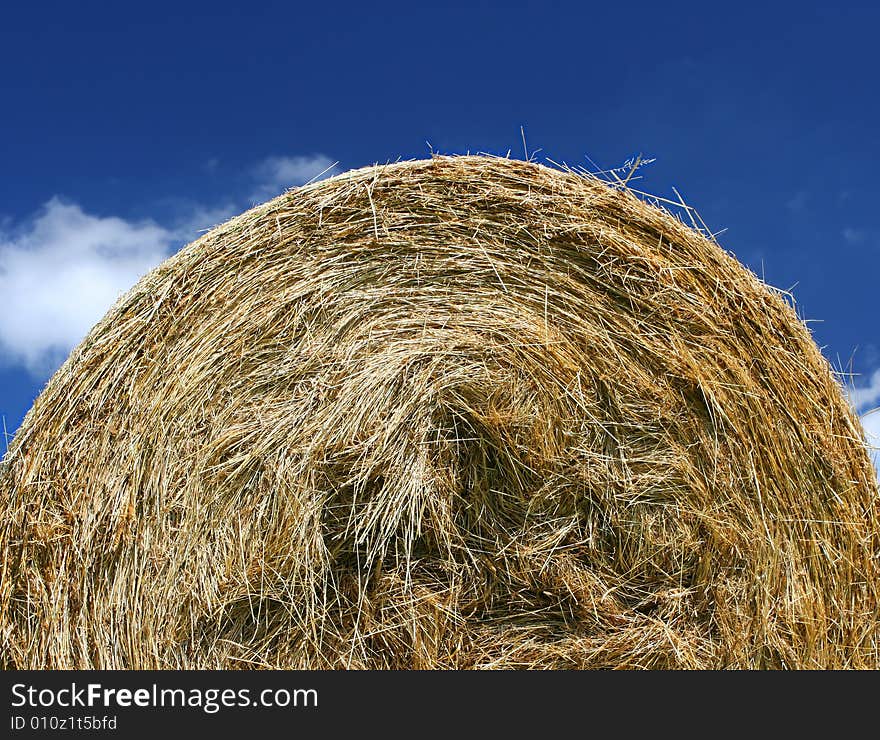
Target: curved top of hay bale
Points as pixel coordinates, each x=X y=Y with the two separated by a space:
x=465 y=412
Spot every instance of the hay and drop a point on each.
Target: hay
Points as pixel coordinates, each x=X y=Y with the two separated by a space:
x=466 y=412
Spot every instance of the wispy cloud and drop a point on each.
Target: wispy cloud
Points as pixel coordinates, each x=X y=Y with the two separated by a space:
x=865 y=396
x=854 y=236
x=196 y=218
x=274 y=175
x=798 y=202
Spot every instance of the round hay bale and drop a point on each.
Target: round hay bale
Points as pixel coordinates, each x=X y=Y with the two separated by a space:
x=463 y=413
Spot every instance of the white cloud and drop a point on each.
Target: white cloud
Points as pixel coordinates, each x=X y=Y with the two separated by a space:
x=274 y=175
x=871 y=424
x=61 y=271
x=864 y=397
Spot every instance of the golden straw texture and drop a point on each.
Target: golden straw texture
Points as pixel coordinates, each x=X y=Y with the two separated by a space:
x=459 y=413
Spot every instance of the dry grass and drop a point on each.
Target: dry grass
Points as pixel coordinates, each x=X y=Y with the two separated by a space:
x=466 y=413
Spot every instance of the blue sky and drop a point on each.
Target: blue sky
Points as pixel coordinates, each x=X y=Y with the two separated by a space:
x=124 y=129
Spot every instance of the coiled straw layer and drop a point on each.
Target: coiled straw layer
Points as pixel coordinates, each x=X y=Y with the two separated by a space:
x=460 y=413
